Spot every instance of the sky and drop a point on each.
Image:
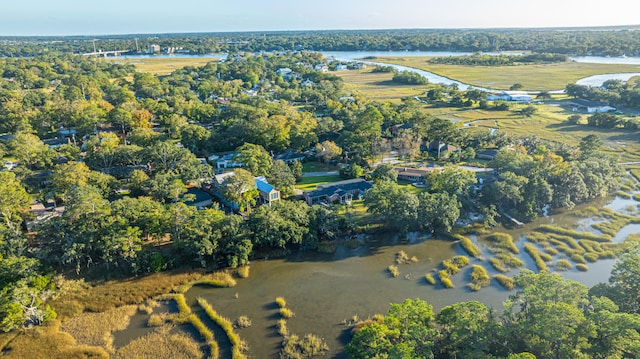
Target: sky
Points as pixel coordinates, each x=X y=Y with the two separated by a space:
x=103 y=17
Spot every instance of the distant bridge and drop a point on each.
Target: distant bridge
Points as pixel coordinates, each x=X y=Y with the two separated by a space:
x=106 y=53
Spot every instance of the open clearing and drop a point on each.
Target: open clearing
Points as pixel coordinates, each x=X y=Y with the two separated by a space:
x=164 y=65
x=533 y=77
x=378 y=86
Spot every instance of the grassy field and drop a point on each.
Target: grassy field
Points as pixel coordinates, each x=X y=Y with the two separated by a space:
x=378 y=86
x=310 y=183
x=533 y=77
x=162 y=66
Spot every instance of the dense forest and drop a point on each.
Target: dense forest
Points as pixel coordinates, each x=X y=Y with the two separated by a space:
x=579 y=41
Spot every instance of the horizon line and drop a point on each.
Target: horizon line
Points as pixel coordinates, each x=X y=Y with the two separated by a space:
x=560 y=28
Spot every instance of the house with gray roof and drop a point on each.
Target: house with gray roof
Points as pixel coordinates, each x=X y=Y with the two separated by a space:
x=337 y=192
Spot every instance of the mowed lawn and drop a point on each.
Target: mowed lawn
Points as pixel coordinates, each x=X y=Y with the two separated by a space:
x=534 y=77
x=162 y=66
x=378 y=85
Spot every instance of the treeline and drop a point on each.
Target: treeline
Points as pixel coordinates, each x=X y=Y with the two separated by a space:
x=547 y=317
x=612 y=92
x=613 y=42
x=409 y=78
x=479 y=59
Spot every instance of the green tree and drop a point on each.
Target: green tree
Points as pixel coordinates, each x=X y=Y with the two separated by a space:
x=167 y=186
x=590 y=145
x=407 y=331
x=452 y=179
x=438 y=212
x=327 y=150
x=240 y=189
x=281 y=224
x=282 y=177
x=397 y=206
x=384 y=172
x=255 y=159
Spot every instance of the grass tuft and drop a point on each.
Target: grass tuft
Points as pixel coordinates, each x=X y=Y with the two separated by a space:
x=468 y=246
x=505 y=281
x=479 y=278
x=429 y=278
x=393 y=270
x=563 y=265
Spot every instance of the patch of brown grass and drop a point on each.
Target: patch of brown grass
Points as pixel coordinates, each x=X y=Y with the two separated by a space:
x=96 y=329
x=47 y=341
x=100 y=297
x=161 y=344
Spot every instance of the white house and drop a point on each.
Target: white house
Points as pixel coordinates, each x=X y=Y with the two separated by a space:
x=591 y=106
x=341 y=67
x=284 y=71
x=321 y=67
x=515 y=96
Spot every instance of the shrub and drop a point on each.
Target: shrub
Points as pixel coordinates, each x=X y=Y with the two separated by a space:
x=505 y=281
x=563 y=265
x=393 y=270
x=429 y=278
x=281 y=302
x=582 y=267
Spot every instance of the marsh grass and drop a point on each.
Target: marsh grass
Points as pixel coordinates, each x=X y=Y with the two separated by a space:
x=503 y=241
x=563 y=265
x=161 y=343
x=243 y=271
x=45 y=342
x=479 y=278
x=281 y=302
x=310 y=345
x=286 y=313
x=468 y=246
x=86 y=297
x=445 y=279
x=429 y=278
x=535 y=254
x=147 y=306
x=157 y=320
x=237 y=345
x=582 y=267
x=281 y=326
x=573 y=234
x=222 y=279
x=242 y=322
x=393 y=270
x=96 y=329
x=504 y=262
x=505 y=281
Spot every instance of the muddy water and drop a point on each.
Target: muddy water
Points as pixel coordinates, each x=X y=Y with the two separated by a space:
x=324 y=290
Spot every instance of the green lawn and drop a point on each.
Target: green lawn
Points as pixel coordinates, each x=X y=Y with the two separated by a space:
x=378 y=86
x=317 y=167
x=533 y=77
x=310 y=183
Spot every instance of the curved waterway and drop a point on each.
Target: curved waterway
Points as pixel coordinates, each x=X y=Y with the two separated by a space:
x=596 y=80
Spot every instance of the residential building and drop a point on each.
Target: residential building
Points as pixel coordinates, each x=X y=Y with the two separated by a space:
x=268 y=193
x=414 y=175
x=337 y=192
x=591 y=106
